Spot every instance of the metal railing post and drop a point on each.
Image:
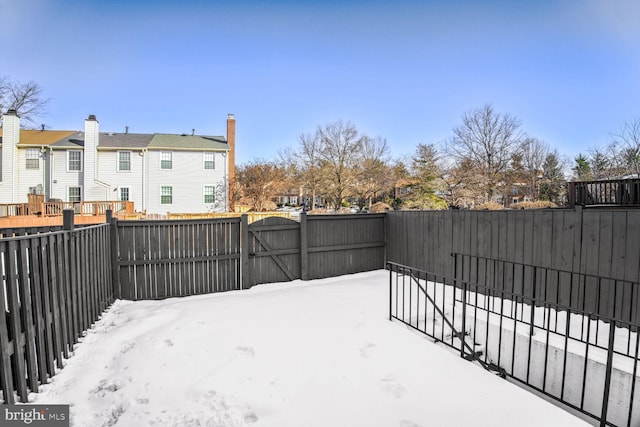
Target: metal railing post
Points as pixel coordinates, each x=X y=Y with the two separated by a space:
x=463 y=331
x=390 y=267
x=607 y=377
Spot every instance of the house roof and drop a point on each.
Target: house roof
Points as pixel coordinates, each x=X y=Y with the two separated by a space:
x=62 y=139
x=76 y=140
x=188 y=142
x=111 y=141
x=44 y=137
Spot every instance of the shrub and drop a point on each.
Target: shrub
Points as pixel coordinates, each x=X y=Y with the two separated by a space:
x=540 y=204
x=489 y=206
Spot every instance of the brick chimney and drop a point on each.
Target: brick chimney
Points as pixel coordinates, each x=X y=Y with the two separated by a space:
x=231 y=158
x=10 y=141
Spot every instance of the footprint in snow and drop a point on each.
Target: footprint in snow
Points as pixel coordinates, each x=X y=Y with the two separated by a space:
x=127 y=347
x=246 y=351
x=365 y=351
x=391 y=386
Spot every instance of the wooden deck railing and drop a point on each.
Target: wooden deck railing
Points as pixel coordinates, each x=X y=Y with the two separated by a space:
x=619 y=192
x=56 y=208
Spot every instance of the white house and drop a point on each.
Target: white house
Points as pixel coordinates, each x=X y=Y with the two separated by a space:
x=160 y=173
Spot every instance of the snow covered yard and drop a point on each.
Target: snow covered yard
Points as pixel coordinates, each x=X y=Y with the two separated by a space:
x=318 y=353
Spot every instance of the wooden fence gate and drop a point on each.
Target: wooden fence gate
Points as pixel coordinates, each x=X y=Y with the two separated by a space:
x=273 y=251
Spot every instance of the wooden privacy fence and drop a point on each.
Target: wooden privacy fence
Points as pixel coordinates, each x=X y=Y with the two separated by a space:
x=319 y=246
x=589 y=242
x=160 y=259
x=55 y=285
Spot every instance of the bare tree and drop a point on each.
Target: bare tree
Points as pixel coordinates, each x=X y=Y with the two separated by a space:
x=26 y=98
x=627 y=144
x=309 y=158
x=259 y=183
x=534 y=155
x=340 y=144
x=372 y=177
x=489 y=140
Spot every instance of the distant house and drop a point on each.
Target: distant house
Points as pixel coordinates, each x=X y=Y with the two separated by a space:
x=160 y=173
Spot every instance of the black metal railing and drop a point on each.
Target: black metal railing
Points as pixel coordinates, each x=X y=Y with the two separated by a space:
x=586 y=361
x=619 y=192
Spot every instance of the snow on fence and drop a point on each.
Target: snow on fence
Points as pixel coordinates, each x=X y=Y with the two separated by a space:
x=586 y=361
x=54 y=286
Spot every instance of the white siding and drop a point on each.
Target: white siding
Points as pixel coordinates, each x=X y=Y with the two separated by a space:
x=28 y=177
x=109 y=174
x=10 y=139
x=61 y=179
x=187 y=179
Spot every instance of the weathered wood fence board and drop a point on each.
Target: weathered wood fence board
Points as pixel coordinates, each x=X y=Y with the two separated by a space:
x=600 y=248
x=55 y=285
x=344 y=244
x=160 y=259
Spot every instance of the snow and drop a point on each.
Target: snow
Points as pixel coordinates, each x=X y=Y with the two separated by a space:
x=316 y=353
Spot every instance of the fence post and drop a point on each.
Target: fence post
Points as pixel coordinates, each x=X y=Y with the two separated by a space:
x=304 y=247
x=67 y=219
x=244 y=251
x=115 y=259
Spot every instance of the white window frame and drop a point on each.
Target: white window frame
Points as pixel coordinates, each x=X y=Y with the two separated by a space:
x=128 y=194
x=79 y=187
x=170 y=194
x=212 y=160
x=168 y=154
x=69 y=161
x=120 y=164
x=205 y=194
x=32 y=154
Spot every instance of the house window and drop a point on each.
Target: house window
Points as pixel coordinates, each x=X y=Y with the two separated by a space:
x=124 y=161
x=74 y=161
x=166 y=160
x=166 y=195
x=33 y=158
x=75 y=194
x=209 y=194
x=124 y=194
x=209 y=161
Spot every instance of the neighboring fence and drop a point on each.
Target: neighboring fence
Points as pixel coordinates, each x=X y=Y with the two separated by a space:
x=619 y=192
x=596 y=242
x=253 y=216
x=586 y=361
x=55 y=286
x=160 y=259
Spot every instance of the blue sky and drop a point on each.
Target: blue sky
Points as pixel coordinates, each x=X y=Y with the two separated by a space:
x=404 y=70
